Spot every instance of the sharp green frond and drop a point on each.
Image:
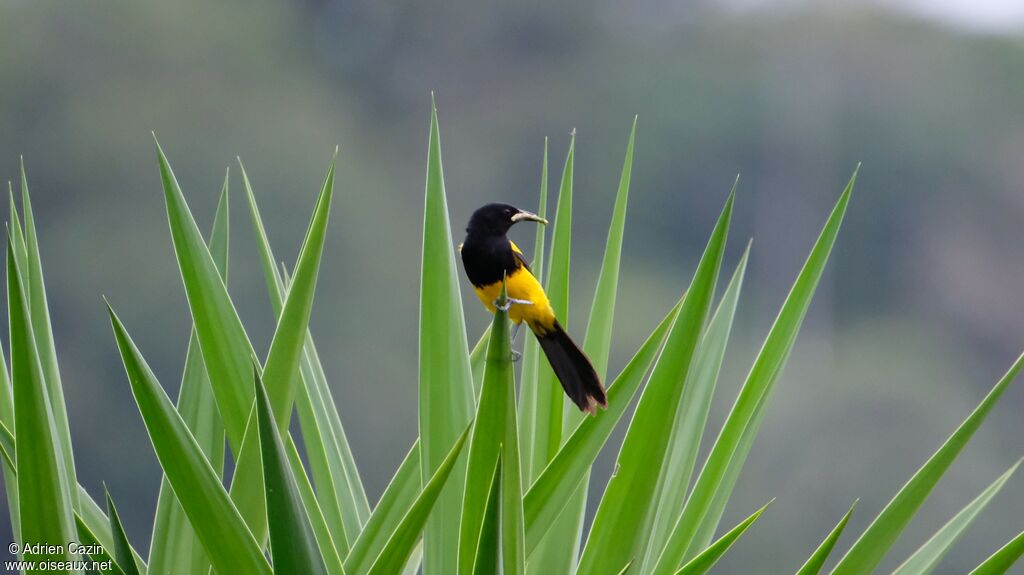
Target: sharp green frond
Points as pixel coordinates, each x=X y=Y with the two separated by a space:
x=1001 y=561
x=445 y=376
x=817 y=559
x=878 y=538
x=707 y=558
x=494 y=482
x=928 y=556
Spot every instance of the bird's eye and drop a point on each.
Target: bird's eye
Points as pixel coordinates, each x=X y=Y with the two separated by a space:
x=508 y=212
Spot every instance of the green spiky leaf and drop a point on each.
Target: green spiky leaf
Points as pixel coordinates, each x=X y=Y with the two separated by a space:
x=228 y=543
x=292 y=541
x=928 y=556
x=122 y=549
x=703 y=562
x=39 y=312
x=44 y=494
x=393 y=506
x=174 y=547
x=872 y=546
x=402 y=541
x=340 y=492
x=549 y=495
x=494 y=435
x=546 y=435
x=817 y=559
x=445 y=376
x=488 y=550
x=688 y=429
x=1001 y=561
x=704 y=507
x=624 y=515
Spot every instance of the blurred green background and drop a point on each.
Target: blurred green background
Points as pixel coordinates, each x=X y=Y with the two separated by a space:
x=919 y=313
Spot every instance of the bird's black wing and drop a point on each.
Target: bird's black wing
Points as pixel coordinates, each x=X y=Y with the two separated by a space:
x=519 y=256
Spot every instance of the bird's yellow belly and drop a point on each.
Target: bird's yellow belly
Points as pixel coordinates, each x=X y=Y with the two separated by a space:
x=522 y=286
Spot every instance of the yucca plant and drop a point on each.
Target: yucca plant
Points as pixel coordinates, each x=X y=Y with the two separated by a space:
x=498 y=481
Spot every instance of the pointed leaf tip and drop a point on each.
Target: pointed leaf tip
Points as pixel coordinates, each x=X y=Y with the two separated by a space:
x=853 y=179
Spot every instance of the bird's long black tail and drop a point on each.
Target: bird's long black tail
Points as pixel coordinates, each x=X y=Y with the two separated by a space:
x=573 y=368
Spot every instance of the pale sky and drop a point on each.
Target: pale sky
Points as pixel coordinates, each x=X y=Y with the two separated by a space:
x=994 y=15
x=998 y=16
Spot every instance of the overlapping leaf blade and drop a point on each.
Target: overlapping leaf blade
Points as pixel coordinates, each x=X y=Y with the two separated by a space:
x=87 y=537
x=706 y=502
x=928 y=556
x=228 y=543
x=44 y=495
x=817 y=559
x=445 y=376
x=282 y=366
x=10 y=472
x=340 y=491
x=318 y=523
x=223 y=335
x=283 y=361
x=597 y=342
x=1001 y=561
x=703 y=562
x=39 y=311
x=688 y=428
x=95 y=520
x=494 y=435
x=292 y=542
x=122 y=549
x=488 y=550
x=7 y=449
x=174 y=547
x=393 y=506
x=402 y=541
x=546 y=434
x=872 y=546
x=532 y=356
x=549 y=495
x=227 y=352
x=557 y=553
x=560 y=549
x=624 y=515
x=17 y=234
x=876 y=541
x=92 y=524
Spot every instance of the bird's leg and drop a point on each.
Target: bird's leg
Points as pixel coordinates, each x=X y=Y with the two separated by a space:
x=516 y=356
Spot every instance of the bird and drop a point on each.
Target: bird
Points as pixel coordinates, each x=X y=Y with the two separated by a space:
x=489 y=257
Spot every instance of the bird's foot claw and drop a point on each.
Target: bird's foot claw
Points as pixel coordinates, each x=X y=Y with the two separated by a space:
x=516 y=356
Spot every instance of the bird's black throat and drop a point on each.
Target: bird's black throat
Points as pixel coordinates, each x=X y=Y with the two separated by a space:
x=487 y=258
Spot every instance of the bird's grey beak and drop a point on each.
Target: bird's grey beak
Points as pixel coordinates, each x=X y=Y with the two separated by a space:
x=530 y=216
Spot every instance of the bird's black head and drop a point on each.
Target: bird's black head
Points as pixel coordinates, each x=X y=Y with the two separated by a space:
x=496 y=219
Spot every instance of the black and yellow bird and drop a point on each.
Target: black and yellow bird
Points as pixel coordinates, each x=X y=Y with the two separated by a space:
x=489 y=256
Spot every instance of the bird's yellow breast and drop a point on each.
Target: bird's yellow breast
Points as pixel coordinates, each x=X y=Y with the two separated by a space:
x=521 y=286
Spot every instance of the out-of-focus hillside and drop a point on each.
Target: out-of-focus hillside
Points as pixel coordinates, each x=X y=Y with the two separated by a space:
x=919 y=313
